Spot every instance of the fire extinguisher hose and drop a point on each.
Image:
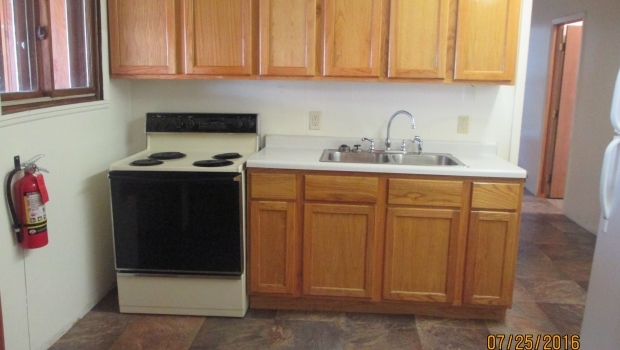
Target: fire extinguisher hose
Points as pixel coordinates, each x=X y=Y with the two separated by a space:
x=16 y=223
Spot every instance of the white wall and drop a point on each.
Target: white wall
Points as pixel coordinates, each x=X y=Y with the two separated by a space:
x=591 y=132
x=44 y=291
x=348 y=109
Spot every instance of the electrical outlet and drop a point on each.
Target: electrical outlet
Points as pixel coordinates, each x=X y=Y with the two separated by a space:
x=315 y=120
x=463 y=125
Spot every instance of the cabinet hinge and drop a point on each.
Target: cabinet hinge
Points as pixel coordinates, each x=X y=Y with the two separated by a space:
x=555 y=114
x=562 y=47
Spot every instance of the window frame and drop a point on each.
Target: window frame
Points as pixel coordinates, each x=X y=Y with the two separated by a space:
x=47 y=95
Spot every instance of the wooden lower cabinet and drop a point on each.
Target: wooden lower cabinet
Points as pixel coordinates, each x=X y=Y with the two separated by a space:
x=272 y=247
x=339 y=245
x=491 y=257
x=420 y=254
x=442 y=246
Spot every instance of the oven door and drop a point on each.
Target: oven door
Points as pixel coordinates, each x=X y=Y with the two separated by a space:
x=177 y=222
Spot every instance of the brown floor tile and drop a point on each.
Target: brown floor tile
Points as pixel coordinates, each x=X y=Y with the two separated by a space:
x=235 y=333
x=539 y=270
x=561 y=292
x=576 y=270
x=569 y=226
x=526 y=317
x=432 y=321
x=97 y=330
x=566 y=317
x=453 y=338
x=375 y=335
x=531 y=253
x=360 y=317
x=568 y=251
x=159 y=332
x=540 y=207
x=293 y=334
x=519 y=293
x=586 y=238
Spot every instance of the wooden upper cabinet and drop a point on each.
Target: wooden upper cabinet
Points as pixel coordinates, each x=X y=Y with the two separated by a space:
x=418 y=38
x=352 y=38
x=486 y=39
x=142 y=36
x=287 y=37
x=218 y=37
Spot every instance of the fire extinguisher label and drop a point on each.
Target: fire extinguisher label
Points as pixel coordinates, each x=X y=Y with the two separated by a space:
x=37 y=219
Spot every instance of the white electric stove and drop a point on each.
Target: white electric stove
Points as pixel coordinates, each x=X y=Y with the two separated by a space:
x=178 y=211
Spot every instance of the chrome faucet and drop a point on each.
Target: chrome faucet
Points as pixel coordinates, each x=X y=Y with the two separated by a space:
x=417 y=140
x=388 y=142
x=371 y=148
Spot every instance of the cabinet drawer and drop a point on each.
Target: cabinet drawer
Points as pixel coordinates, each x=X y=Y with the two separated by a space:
x=341 y=188
x=434 y=193
x=273 y=186
x=488 y=195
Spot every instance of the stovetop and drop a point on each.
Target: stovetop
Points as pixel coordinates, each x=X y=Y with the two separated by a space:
x=182 y=164
x=175 y=141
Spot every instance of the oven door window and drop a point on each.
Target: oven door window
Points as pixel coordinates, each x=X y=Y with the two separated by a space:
x=168 y=222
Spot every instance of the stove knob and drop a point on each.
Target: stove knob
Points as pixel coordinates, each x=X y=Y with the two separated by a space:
x=151 y=125
x=250 y=124
x=238 y=124
x=189 y=124
x=178 y=124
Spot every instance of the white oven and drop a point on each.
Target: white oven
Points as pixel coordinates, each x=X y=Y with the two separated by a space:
x=178 y=213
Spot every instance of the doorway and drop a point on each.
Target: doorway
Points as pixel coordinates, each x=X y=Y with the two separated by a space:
x=565 y=53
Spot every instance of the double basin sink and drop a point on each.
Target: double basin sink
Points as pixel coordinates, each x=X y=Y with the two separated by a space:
x=383 y=157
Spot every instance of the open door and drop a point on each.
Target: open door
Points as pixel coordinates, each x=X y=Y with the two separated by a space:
x=561 y=104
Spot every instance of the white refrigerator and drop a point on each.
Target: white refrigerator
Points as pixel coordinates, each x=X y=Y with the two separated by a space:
x=601 y=321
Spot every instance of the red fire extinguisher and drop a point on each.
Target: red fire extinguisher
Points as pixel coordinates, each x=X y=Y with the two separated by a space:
x=30 y=218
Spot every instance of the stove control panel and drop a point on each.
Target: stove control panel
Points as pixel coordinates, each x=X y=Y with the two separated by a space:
x=202 y=123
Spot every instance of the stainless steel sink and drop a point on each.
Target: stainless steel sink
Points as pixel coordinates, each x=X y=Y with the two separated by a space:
x=381 y=157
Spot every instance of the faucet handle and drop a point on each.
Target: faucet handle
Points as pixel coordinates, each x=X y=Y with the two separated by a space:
x=417 y=140
x=403 y=146
x=372 y=144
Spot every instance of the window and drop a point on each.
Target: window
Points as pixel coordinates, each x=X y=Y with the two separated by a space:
x=49 y=52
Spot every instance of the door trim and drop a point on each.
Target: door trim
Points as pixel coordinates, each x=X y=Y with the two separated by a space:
x=550 y=119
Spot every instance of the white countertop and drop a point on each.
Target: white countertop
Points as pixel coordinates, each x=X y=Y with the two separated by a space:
x=304 y=152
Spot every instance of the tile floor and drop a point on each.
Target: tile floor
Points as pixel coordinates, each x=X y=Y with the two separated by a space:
x=553 y=268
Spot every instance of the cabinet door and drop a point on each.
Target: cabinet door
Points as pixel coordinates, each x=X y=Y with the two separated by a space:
x=339 y=246
x=352 y=38
x=491 y=258
x=287 y=37
x=418 y=38
x=142 y=36
x=272 y=247
x=486 y=39
x=218 y=37
x=420 y=254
